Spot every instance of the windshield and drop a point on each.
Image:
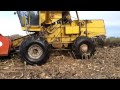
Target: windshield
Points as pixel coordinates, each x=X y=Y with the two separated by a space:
x=32 y=17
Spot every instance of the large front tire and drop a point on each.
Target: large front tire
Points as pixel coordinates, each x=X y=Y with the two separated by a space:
x=34 y=50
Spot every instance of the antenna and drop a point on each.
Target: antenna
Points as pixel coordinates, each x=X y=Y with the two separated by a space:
x=79 y=23
x=77 y=16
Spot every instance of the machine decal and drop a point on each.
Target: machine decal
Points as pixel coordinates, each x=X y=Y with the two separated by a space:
x=1 y=44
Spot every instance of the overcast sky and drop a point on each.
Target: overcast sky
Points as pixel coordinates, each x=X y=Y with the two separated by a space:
x=9 y=23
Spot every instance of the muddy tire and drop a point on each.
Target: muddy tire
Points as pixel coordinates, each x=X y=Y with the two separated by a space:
x=34 y=50
x=83 y=47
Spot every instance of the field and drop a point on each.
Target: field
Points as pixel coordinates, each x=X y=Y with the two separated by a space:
x=105 y=64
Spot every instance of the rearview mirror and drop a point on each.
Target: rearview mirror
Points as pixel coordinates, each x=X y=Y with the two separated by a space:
x=15 y=13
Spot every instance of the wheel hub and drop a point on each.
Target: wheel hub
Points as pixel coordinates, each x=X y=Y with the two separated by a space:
x=84 y=48
x=35 y=51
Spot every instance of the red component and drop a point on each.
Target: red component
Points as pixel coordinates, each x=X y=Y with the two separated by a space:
x=5 y=46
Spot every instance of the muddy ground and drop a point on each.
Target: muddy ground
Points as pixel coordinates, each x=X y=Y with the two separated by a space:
x=105 y=64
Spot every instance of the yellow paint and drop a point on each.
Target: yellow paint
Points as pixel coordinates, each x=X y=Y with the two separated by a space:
x=72 y=30
x=67 y=33
x=16 y=43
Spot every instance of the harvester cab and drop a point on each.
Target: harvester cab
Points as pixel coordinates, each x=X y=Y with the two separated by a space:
x=41 y=18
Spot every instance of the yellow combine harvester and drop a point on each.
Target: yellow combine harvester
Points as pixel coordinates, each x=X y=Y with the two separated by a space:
x=56 y=30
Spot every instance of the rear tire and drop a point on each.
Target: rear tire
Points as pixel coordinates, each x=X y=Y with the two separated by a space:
x=83 y=47
x=34 y=50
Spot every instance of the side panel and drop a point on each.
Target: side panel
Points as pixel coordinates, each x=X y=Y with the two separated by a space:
x=92 y=32
x=72 y=30
x=93 y=28
x=94 y=23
